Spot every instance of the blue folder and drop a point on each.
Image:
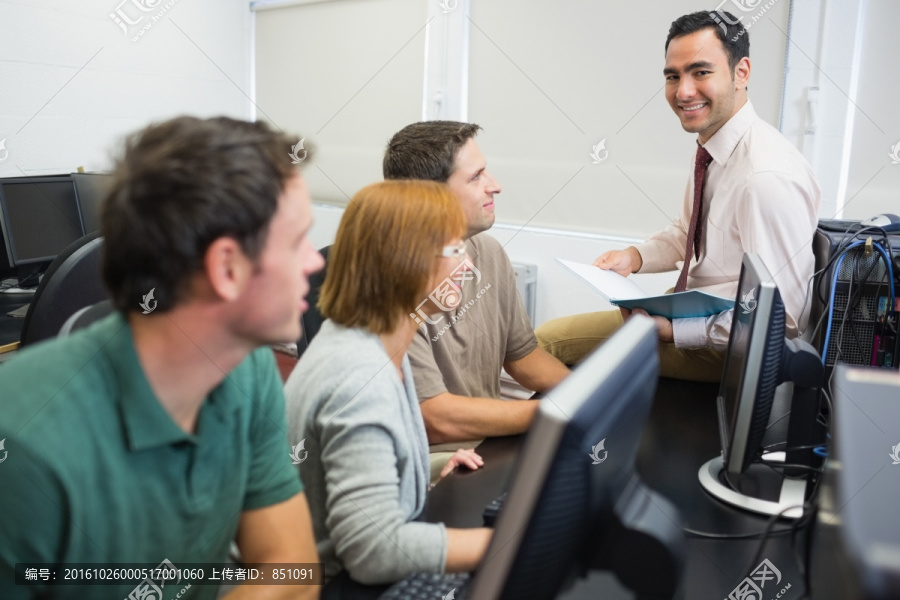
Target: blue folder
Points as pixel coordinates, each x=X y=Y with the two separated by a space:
x=692 y=303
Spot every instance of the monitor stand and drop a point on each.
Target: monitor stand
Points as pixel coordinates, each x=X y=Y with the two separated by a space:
x=643 y=544
x=762 y=489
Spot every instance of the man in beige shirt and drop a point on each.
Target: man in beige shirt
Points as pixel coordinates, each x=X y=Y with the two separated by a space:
x=760 y=195
x=457 y=355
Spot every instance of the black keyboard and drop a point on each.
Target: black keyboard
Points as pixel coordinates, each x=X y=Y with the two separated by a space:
x=493 y=509
x=429 y=586
x=839 y=225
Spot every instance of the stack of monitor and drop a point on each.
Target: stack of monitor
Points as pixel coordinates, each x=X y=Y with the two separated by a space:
x=41 y=215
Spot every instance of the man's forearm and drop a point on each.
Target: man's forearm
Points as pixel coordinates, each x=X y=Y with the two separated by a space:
x=539 y=371
x=451 y=418
x=280 y=533
x=466 y=548
x=274 y=592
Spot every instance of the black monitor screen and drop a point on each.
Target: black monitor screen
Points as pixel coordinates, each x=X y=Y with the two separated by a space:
x=735 y=363
x=92 y=190
x=40 y=218
x=751 y=365
x=577 y=460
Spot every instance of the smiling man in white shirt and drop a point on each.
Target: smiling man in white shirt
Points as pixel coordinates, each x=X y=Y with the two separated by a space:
x=757 y=194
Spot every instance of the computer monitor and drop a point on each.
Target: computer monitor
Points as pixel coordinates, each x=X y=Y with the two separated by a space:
x=39 y=216
x=752 y=365
x=92 y=189
x=574 y=482
x=759 y=358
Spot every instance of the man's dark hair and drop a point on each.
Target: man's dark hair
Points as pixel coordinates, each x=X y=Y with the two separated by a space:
x=426 y=150
x=731 y=32
x=178 y=187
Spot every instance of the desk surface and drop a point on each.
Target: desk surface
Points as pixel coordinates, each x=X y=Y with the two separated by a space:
x=681 y=435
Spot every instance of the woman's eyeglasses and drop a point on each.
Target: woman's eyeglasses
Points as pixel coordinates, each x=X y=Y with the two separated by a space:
x=457 y=251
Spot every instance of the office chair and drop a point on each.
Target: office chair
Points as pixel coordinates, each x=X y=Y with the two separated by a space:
x=71 y=282
x=312 y=319
x=85 y=316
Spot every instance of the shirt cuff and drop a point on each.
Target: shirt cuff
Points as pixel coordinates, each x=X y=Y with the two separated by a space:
x=657 y=257
x=689 y=333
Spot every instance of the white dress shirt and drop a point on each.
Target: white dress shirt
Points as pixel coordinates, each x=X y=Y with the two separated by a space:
x=760 y=196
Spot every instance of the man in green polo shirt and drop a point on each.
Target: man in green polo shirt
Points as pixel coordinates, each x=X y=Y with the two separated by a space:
x=158 y=434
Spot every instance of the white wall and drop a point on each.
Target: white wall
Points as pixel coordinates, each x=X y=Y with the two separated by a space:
x=547 y=81
x=73 y=82
x=345 y=75
x=874 y=181
x=550 y=80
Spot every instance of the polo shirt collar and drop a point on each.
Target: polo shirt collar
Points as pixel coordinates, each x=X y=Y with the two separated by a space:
x=472 y=248
x=144 y=420
x=723 y=142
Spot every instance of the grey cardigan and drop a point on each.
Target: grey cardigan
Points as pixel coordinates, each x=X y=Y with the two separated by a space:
x=366 y=474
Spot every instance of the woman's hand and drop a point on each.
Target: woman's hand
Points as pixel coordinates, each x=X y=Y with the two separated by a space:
x=465 y=458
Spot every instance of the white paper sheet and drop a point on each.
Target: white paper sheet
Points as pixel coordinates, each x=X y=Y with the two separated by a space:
x=612 y=285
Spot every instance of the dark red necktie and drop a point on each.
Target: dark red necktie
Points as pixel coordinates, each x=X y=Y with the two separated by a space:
x=695 y=231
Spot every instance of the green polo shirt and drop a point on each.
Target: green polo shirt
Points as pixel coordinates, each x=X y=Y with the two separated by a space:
x=98 y=472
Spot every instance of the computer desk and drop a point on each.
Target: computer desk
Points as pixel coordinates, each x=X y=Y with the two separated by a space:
x=681 y=435
x=11 y=327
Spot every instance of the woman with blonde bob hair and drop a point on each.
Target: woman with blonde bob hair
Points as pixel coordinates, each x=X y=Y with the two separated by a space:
x=352 y=401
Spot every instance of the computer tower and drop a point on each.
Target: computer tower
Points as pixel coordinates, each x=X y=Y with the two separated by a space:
x=855 y=537
x=862 y=330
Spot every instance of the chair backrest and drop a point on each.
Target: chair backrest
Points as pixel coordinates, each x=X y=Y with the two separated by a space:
x=71 y=282
x=85 y=316
x=312 y=319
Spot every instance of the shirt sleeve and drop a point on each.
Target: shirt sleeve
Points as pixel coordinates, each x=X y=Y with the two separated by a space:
x=703 y=332
x=520 y=338
x=272 y=478
x=777 y=221
x=35 y=517
x=372 y=537
x=427 y=375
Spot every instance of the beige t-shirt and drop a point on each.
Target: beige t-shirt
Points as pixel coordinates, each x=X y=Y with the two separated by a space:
x=461 y=351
